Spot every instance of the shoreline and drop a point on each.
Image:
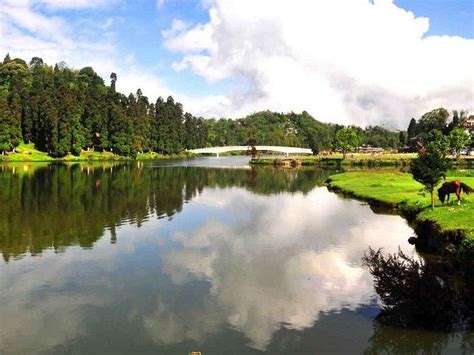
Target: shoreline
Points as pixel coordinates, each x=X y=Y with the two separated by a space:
x=355 y=160
x=435 y=232
x=41 y=157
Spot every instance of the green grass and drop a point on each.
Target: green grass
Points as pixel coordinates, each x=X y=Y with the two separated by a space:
x=93 y=156
x=153 y=155
x=396 y=189
x=28 y=153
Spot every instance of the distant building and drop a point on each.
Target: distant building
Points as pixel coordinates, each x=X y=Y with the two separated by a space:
x=368 y=149
x=469 y=125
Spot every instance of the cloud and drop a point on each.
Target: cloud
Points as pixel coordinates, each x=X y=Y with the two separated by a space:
x=261 y=275
x=27 y=31
x=347 y=61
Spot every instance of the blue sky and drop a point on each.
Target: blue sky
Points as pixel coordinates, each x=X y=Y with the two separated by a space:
x=178 y=47
x=447 y=17
x=138 y=25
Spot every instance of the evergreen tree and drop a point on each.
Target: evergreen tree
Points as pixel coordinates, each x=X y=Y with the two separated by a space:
x=5 y=125
x=158 y=126
x=120 y=130
x=191 y=132
x=412 y=129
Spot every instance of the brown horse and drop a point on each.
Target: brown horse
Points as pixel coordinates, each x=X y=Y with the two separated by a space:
x=456 y=187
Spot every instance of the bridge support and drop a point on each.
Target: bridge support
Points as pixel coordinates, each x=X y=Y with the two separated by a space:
x=217 y=155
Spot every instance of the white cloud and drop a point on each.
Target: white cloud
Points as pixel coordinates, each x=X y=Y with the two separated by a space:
x=261 y=275
x=26 y=32
x=349 y=61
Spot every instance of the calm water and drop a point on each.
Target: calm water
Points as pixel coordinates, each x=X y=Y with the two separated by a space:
x=173 y=257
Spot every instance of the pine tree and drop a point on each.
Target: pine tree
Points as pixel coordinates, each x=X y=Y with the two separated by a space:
x=158 y=126
x=412 y=129
x=5 y=125
x=120 y=130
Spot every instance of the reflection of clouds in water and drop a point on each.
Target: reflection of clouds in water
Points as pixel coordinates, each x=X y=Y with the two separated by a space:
x=49 y=313
x=170 y=324
x=267 y=261
x=285 y=260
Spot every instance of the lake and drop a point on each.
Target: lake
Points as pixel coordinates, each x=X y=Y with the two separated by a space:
x=200 y=255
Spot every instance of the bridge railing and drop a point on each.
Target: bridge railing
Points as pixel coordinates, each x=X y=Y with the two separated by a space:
x=225 y=149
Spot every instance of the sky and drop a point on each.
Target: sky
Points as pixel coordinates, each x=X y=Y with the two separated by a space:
x=361 y=62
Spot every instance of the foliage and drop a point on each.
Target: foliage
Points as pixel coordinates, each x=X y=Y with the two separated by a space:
x=292 y=129
x=415 y=293
x=437 y=141
x=434 y=125
x=411 y=131
x=458 y=140
x=346 y=140
x=65 y=111
x=79 y=201
x=430 y=167
x=433 y=120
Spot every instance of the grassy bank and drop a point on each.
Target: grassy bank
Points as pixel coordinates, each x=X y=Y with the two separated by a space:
x=28 y=153
x=399 y=190
x=370 y=160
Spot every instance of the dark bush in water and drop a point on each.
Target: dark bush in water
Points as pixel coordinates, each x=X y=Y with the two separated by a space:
x=417 y=293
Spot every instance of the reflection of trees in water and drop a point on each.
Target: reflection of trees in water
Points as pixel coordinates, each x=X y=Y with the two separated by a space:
x=390 y=340
x=424 y=295
x=56 y=206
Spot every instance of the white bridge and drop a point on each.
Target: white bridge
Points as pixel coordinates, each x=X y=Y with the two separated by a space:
x=260 y=148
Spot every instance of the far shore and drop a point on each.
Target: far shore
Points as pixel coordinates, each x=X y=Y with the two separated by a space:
x=27 y=153
x=353 y=159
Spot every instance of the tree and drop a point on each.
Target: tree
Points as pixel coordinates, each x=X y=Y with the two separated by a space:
x=113 y=81
x=438 y=141
x=411 y=131
x=402 y=137
x=459 y=117
x=346 y=140
x=458 y=140
x=5 y=125
x=7 y=58
x=435 y=119
x=121 y=131
x=430 y=167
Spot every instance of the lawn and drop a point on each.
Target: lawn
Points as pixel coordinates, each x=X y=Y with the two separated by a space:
x=396 y=189
x=28 y=153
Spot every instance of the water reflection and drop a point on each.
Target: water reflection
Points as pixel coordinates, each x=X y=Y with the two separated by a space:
x=56 y=206
x=244 y=261
x=282 y=260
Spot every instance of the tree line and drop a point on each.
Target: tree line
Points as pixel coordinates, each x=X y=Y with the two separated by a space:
x=62 y=110
x=451 y=133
